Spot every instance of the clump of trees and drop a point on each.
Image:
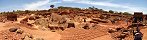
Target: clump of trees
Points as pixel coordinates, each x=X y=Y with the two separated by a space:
x=110 y=11
x=94 y=8
x=123 y=13
x=61 y=7
x=126 y=13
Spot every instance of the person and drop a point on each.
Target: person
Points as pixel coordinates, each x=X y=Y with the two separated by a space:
x=138 y=36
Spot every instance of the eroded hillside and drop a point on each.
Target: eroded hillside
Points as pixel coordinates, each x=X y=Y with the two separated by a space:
x=65 y=24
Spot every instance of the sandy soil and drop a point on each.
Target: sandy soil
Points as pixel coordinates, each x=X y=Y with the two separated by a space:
x=37 y=33
x=144 y=31
x=105 y=37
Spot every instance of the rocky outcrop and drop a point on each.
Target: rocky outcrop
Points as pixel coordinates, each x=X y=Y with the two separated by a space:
x=12 y=17
x=16 y=34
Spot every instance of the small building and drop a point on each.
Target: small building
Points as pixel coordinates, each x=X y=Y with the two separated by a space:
x=138 y=16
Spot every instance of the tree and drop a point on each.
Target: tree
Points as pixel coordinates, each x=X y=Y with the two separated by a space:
x=27 y=11
x=116 y=12
x=110 y=11
x=90 y=8
x=13 y=10
x=52 y=6
x=60 y=7
x=120 y=13
x=101 y=9
x=93 y=7
x=96 y=9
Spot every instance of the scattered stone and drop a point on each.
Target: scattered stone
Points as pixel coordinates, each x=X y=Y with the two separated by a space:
x=102 y=17
x=61 y=28
x=126 y=33
x=29 y=24
x=13 y=29
x=51 y=28
x=27 y=38
x=31 y=18
x=53 y=31
x=118 y=29
x=111 y=30
x=19 y=31
x=30 y=36
x=37 y=17
x=125 y=30
x=86 y=26
x=121 y=36
x=62 y=21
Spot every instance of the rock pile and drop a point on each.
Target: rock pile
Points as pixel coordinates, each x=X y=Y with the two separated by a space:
x=16 y=34
x=120 y=33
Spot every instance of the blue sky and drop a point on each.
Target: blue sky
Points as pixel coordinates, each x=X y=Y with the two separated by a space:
x=116 y=5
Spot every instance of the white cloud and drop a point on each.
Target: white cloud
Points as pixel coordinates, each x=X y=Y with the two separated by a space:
x=109 y=4
x=35 y=5
x=38 y=5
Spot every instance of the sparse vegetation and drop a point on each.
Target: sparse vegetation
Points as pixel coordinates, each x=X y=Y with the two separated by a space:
x=126 y=13
x=110 y=11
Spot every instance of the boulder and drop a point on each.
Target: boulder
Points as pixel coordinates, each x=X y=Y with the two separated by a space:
x=19 y=31
x=56 y=17
x=110 y=30
x=71 y=25
x=86 y=26
x=29 y=24
x=27 y=38
x=61 y=28
x=118 y=29
x=62 y=21
x=13 y=29
x=51 y=28
x=122 y=36
x=37 y=17
x=31 y=18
